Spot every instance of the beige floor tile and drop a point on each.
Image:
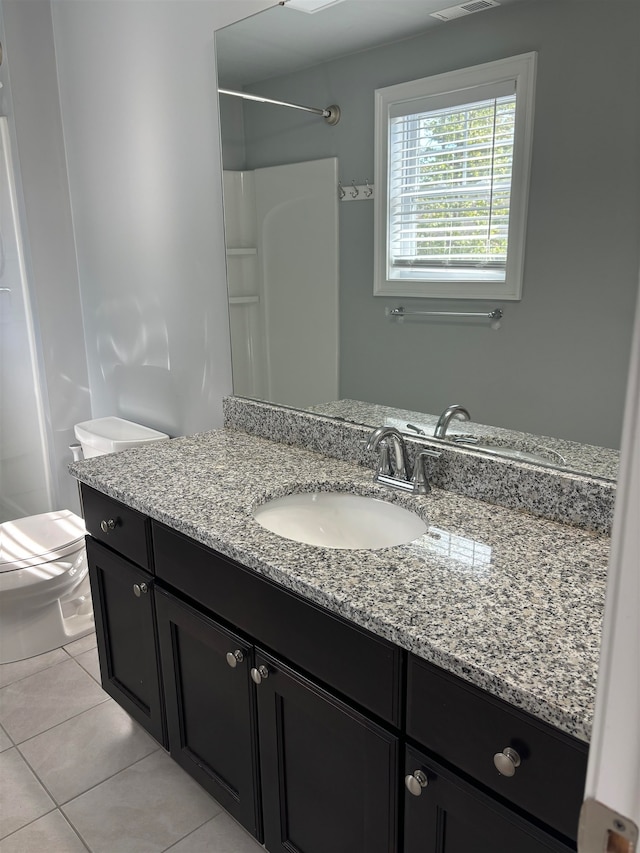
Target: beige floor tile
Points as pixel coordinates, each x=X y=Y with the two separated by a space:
x=10 y=672
x=49 y=697
x=84 y=751
x=89 y=661
x=50 y=833
x=81 y=645
x=5 y=740
x=23 y=797
x=144 y=809
x=220 y=835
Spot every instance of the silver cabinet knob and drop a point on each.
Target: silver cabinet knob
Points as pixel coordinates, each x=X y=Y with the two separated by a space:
x=259 y=674
x=140 y=589
x=234 y=658
x=506 y=761
x=415 y=782
x=107 y=525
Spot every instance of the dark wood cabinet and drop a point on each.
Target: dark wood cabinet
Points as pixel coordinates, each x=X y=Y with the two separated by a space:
x=296 y=720
x=210 y=705
x=364 y=668
x=449 y=815
x=329 y=774
x=468 y=727
x=125 y=618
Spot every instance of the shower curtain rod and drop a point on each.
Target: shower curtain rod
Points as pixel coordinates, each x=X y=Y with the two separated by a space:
x=331 y=114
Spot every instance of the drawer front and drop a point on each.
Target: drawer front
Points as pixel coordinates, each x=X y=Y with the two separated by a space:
x=124 y=529
x=468 y=727
x=444 y=813
x=357 y=664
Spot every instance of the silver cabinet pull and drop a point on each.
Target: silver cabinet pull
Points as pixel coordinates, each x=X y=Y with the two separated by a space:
x=140 y=589
x=234 y=658
x=259 y=674
x=415 y=782
x=506 y=761
x=107 y=525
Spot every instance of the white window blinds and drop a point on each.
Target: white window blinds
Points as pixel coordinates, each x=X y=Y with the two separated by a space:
x=453 y=153
x=449 y=186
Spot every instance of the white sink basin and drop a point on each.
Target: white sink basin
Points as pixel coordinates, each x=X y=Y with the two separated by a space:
x=339 y=520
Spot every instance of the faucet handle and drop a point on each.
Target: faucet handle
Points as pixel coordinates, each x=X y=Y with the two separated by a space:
x=421 y=485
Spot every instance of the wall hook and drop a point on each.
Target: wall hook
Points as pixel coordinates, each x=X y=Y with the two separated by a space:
x=355 y=192
x=369 y=190
x=341 y=190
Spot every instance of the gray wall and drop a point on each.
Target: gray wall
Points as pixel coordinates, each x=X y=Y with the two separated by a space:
x=30 y=100
x=558 y=365
x=140 y=116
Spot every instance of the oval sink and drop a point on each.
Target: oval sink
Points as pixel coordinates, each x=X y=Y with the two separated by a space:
x=339 y=520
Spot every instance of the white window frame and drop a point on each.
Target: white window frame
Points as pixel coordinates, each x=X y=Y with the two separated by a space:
x=522 y=70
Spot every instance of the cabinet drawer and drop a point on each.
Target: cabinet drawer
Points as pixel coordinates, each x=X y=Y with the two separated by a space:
x=468 y=727
x=124 y=529
x=445 y=813
x=354 y=662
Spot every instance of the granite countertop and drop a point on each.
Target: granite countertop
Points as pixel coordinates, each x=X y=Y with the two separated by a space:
x=507 y=601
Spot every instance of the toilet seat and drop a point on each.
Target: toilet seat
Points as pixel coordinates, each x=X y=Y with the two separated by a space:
x=39 y=539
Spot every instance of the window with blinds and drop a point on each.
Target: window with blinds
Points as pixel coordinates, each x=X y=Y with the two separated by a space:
x=453 y=168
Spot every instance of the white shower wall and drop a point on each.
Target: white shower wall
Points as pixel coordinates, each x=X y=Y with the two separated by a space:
x=25 y=487
x=281 y=228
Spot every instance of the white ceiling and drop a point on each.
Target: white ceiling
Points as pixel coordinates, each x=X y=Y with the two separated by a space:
x=281 y=40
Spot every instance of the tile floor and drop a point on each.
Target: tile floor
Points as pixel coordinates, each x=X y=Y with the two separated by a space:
x=77 y=773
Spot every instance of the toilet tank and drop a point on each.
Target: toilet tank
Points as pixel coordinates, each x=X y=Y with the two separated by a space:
x=108 y=435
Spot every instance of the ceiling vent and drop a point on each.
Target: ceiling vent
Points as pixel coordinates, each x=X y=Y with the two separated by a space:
x=464 y=9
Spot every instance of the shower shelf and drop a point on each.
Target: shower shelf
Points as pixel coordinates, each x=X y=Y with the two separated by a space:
x=243 y=300
x=247 y=251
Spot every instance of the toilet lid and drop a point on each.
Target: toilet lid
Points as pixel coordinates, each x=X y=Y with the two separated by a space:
x=39 y=539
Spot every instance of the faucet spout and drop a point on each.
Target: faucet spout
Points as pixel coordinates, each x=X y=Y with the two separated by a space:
x=385 y=435
x=393 y=472
x=453 y=411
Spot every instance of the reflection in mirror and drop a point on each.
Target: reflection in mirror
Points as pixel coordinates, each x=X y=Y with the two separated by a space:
x=557 y=365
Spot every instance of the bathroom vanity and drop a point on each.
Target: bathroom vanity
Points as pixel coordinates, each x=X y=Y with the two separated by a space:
x=355 y=701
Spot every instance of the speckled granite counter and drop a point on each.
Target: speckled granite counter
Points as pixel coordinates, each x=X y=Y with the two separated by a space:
x=562 y=496
x=507 y=601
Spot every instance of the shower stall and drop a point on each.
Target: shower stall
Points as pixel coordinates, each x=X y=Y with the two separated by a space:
x=25 y=472
x=281 y=226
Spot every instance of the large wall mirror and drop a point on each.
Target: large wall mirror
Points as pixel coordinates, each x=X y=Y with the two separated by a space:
x=307 y=330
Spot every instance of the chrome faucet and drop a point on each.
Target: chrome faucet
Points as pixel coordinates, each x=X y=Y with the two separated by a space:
x=453 y=411
x=379 y=439
x=392 y=470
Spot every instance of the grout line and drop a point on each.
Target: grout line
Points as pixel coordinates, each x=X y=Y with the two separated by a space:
x=49 y=666
x=75 y=797
x=13 y=832
x=51 y=811
x=222 y=811
x=18 y=744
x=77 y=831
x=106 y=779
x=35 y=672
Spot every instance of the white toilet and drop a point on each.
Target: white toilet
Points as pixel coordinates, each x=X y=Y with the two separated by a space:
x=45 y=599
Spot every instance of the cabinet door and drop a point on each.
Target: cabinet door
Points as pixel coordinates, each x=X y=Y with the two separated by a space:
x=449 y=815
x=210 y=705
x=328 y=774
x=126 y=632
